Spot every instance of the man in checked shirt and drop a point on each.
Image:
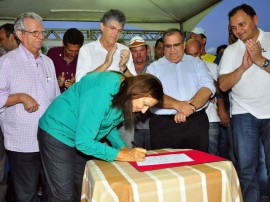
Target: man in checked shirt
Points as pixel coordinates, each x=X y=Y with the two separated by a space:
x=28 y=85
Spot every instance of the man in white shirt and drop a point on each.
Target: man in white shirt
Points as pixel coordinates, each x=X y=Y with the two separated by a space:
x=245 y=70
x=105 y=53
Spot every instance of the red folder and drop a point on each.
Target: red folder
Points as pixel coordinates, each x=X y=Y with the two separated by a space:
x=198 y=157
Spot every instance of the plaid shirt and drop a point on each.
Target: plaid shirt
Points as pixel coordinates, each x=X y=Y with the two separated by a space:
x=20 y=72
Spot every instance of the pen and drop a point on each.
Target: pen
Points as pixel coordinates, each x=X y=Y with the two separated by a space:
x=133 y=144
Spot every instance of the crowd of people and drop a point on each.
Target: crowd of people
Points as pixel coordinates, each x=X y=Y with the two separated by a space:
x=110 y=101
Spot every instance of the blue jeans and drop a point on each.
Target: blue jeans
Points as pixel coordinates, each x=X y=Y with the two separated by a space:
x=247 y=132
x=262 y=172
x=213 y=137
x=63 y=168
x=226 y=144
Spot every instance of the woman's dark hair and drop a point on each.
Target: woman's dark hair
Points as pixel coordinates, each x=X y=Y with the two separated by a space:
x=142 y=85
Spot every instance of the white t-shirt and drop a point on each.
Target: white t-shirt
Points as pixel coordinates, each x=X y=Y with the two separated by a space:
x=252 y=93
x=211 y=109
x=92 y=55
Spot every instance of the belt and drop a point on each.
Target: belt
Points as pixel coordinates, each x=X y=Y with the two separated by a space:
x=198 y=113
x=192 y=115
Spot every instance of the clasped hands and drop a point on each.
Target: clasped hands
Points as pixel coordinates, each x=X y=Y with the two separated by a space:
x=253 y=54
x=184 y=109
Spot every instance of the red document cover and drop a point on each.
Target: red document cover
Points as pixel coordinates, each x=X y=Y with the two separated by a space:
x=197 y=156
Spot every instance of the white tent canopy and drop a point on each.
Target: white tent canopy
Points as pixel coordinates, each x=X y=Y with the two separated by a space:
x=147 y=14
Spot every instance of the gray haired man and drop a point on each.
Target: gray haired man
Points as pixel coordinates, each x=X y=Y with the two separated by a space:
x=105 y=53
x=28 y=85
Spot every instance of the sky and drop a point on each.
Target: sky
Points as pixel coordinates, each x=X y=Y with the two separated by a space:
x=216 y=22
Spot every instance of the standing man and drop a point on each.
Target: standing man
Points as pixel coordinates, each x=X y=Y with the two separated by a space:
x=140 y=52
x=28 y=85
x=65 y=57
x=9 y=42
x=200 y=35
x=158 y=49
x=245 y=70
x=190 y=85
x=105 y=53
x=193 y=47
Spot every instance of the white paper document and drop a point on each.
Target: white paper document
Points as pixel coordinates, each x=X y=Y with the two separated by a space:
x=165 y=159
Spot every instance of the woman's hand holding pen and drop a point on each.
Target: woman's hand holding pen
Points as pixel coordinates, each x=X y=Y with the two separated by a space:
x=131 y=154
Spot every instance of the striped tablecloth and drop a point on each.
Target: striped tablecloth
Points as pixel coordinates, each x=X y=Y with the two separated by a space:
x=119 y=181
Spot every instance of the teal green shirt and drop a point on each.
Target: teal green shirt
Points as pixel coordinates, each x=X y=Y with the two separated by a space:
x=83 y=115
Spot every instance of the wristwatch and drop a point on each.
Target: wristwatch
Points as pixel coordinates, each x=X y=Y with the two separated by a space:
x=266 y=63
x=124 y=71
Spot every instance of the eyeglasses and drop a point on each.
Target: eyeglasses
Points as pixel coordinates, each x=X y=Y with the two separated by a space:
x=113 y=29
x=35 y=33
x=168 y=46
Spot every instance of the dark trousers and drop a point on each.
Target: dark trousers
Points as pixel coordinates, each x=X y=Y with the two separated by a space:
x=63 y=168
x=3 y=181
x=25 y=169
x=142 y=138
x=192 y=134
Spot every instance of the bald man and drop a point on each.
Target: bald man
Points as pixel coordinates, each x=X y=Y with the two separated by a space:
x=193 y=48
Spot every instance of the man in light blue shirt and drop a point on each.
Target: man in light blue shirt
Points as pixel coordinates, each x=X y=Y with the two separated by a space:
x=188 y=85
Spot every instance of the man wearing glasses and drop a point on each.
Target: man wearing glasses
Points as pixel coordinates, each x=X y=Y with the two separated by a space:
x=65 y=57
x=28 y=85
x=105 y=53
x=181 y=122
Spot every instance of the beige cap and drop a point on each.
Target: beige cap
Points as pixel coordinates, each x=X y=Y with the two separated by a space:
x=136 y=41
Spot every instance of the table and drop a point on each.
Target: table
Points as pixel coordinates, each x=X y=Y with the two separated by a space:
x=120 y=181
